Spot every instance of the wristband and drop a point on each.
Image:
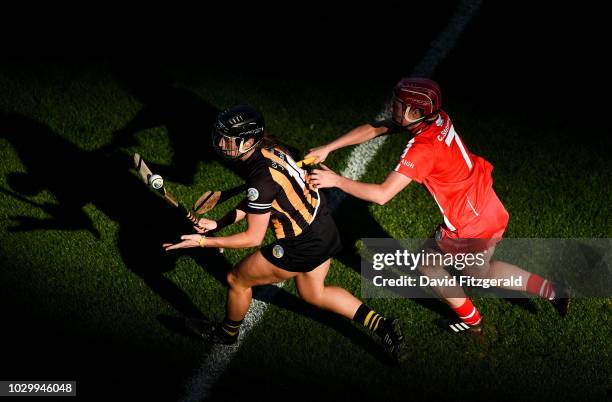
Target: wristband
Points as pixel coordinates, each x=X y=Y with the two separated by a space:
x=202 y=240
x=226 y=220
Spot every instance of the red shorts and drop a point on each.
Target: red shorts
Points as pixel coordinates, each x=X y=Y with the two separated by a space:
x=480 y=234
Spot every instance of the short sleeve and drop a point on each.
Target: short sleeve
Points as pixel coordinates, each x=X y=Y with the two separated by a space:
x=417 y=160
x=261 y=193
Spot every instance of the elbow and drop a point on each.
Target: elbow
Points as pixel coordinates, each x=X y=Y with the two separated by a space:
x=378 y=131
x=381 y=199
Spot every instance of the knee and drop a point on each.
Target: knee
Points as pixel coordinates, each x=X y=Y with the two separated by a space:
x=311 y=297
x=479 y=271
x=233 y=280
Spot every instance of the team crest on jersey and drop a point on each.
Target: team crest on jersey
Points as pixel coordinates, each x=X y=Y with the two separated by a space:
x=278 y=251
x=252 y=194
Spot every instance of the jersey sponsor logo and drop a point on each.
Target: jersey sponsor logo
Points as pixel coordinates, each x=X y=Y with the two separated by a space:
x=408 y=163
x=278 y=251
x=252 y=194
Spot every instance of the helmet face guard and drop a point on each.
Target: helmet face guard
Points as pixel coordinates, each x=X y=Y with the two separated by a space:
x=401 y=111
x=233 y=128
x=230 y=147
x=415 y=93
x=227 y=147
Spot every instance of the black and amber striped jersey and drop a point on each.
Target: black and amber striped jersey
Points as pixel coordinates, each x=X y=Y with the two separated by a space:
x=276 y=184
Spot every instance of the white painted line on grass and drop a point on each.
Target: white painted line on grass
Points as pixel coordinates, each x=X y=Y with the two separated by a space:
x=216 y=361
x=363 y=154
x=220 y=356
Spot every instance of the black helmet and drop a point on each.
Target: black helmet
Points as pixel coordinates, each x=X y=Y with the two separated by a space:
x=233 y=127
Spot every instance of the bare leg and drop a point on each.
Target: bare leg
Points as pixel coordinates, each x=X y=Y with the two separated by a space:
x=457 y=300
x=530 y=283
x=500 y=270
x=311 y=287
x=252 y=271
x=454 y=296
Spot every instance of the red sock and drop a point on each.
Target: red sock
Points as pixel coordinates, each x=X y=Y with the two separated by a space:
x=468 y=313
x=536 y=285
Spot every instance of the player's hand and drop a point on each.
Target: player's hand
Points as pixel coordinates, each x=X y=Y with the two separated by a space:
x=188 y=241
x=323 y=178
x=319 y=153
x=205 y=225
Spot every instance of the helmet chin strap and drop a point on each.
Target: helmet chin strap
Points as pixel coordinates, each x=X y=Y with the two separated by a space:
x=408 y=108
x=242 y=150
x=416 y=126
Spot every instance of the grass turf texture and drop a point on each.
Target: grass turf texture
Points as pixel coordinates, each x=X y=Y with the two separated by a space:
x=95 y=300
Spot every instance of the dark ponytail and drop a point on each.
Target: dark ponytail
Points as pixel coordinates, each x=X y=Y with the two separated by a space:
x=270 y=141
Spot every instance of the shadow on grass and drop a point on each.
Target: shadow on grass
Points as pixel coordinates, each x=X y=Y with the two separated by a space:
x=70 y=173
x=283 y=299
x=187 y=118
x=106 y=180
x=145 y=220
x=355 y=221
x=73 y=175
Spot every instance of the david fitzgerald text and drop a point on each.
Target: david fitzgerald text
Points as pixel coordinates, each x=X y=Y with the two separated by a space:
x=462 y=280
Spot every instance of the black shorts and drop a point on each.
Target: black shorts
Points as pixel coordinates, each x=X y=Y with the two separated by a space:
x=303 y=253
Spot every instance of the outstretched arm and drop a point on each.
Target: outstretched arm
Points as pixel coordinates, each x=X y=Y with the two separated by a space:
x=356 y=136
x=252 y=237
x=378 y=193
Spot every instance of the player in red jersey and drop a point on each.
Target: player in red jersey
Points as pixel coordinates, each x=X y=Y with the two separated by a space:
x=460 y=183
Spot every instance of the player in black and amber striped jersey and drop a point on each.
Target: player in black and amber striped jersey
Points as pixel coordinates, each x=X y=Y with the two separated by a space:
x=282 y=188
x=278 y=194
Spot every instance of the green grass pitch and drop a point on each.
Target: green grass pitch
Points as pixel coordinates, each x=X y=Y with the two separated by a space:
x=88 y=294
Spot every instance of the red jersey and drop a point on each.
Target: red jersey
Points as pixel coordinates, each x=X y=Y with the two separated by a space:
x=458 y=180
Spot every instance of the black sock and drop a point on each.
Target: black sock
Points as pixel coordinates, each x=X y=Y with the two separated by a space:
x=370 y=319
x=231 y=328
